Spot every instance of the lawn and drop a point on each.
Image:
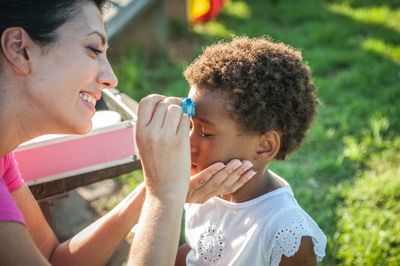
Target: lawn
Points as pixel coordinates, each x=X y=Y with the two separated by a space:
x=347 y=173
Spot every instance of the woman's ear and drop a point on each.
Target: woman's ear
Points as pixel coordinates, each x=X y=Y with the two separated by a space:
x=268 y=146
x=15 y=44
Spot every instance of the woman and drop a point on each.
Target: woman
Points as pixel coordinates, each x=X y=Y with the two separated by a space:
x=53 y=66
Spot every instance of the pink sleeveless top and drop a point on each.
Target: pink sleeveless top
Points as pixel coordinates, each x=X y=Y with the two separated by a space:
x=10 y=180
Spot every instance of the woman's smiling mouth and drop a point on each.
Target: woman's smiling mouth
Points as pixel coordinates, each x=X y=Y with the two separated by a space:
x=88 y=98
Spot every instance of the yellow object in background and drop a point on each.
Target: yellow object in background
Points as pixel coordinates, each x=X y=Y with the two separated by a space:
x=201 y=11
x=198 y=8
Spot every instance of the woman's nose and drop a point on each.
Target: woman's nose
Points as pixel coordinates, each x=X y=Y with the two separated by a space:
x=106 y=76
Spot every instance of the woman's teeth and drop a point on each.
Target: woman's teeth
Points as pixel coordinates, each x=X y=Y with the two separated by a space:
x=88 y=98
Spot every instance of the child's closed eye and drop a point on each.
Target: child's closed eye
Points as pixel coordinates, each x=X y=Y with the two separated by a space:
x=204 y=134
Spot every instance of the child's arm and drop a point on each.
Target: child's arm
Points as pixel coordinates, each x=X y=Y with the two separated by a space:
x=181 y=256
x=305 y=256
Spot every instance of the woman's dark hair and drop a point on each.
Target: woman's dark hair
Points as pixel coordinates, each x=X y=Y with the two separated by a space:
x=40 y=18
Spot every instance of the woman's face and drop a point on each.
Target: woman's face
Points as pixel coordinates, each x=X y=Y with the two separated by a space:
x=67 y=76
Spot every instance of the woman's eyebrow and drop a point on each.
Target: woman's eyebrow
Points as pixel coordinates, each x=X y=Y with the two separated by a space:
x=102 y=37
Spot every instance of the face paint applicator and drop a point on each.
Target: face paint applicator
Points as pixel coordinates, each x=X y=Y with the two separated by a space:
x=188 y=107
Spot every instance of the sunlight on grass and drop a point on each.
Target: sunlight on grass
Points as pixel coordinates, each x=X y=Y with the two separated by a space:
x=372 y=140
x=213 y=29
x=381 y=15
x=380 y=47
x=237 y=9
x=367 y=231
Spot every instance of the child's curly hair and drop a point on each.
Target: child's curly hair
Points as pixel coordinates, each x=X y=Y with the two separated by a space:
x=266 y=86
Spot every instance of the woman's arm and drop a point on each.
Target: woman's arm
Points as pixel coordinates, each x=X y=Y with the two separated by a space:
x=92 y=246
x=17 y=247
x=37 y=226
x=162 y=136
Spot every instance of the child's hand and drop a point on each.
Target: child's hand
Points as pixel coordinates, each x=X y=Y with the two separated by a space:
x=162 y=136
x=219 y=179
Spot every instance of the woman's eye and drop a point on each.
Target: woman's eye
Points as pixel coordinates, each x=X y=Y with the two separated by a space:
x=94 y=51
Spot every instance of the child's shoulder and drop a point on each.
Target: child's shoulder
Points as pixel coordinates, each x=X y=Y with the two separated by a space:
x=285 y=230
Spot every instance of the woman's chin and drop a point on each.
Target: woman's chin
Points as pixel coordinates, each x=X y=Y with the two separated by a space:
x=84 y=130
x=80 y=129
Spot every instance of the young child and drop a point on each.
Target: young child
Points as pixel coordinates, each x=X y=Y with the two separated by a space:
x=254 y=101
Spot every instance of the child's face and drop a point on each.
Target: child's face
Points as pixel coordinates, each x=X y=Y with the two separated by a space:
x=214 y=136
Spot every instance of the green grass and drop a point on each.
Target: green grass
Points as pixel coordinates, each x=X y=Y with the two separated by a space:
x=368 y=231
x=353 y=48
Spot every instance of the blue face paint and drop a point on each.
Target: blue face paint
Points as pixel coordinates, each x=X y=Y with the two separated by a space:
x=188 y=107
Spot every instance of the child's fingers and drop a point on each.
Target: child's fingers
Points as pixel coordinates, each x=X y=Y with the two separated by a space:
x=198 y=193
x=214 y=183
x=212 y=187
x=202 y=178
x=243 y=179
x=226 y=186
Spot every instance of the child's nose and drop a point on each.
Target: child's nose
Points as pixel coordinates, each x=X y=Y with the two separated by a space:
x=193 y=145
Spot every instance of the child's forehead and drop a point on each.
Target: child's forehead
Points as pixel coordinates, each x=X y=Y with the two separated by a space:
x=206 y=99
x=210 y=105
x=212 y=110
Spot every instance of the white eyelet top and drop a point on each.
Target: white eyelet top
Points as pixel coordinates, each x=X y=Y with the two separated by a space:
x=255 y=232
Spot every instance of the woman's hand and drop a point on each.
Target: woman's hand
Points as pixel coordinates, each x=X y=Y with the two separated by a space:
x=219 y=179
x=162 y=136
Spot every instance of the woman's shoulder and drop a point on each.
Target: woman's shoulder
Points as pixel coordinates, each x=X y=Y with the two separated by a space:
x=9 y=172
x=5 y=163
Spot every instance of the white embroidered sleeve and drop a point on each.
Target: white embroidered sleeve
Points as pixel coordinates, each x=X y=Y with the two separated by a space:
x=287 y=238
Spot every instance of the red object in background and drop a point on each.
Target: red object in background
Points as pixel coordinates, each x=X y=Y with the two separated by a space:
x=214 y=7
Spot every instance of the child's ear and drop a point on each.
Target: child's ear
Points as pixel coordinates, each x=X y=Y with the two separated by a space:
x=15 y=43
x=268 y=146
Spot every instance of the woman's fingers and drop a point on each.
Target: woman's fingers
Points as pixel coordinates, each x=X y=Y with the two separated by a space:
x=146 y=109
x=172 y=120
x=184 y=126
x=162 y=109
x=153 y=108
x=162 y=136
